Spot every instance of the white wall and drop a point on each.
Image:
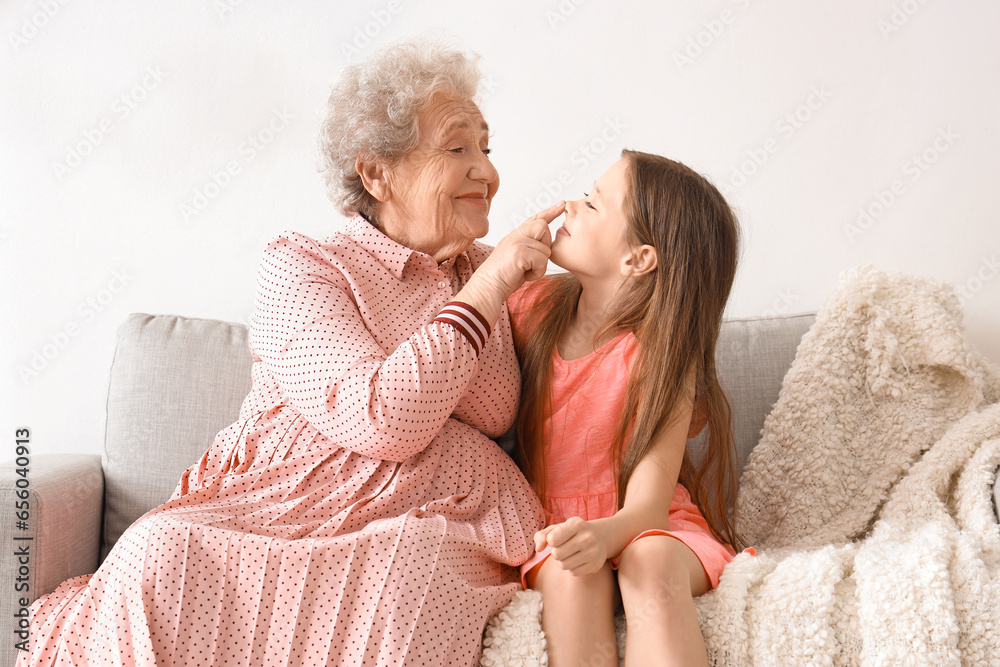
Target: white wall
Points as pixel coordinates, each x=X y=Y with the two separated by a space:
x=838 y=101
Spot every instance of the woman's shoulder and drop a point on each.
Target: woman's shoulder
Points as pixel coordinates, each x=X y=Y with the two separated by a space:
x=290 y=248
x=298 y=256
x=338 y=248
x=293 y=240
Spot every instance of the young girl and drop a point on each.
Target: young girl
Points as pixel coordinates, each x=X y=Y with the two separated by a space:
x=618 y=372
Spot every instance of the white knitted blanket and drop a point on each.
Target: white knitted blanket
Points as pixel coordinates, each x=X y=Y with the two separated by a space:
x=868 y=499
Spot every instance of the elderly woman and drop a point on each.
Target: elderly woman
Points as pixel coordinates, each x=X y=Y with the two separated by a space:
x=357 y=513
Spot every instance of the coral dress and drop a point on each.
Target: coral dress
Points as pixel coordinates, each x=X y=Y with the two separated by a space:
x=357 y=513
x=588 y=397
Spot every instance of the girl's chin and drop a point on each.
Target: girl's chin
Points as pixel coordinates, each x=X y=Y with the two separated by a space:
x=556 y=259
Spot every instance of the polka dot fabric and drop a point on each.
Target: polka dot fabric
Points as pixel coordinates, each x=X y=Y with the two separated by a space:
x=357 y=513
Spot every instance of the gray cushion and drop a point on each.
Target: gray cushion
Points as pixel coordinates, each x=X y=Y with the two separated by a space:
x=752 y=357
x=175 y=383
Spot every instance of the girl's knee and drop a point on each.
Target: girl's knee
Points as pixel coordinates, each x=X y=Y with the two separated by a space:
x=553 y=580
x=662 y=567
x=652 y=552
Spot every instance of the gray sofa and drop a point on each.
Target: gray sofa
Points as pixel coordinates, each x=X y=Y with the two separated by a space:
x=177 y=381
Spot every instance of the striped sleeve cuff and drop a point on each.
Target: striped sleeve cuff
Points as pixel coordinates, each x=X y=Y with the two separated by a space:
x=468 y=321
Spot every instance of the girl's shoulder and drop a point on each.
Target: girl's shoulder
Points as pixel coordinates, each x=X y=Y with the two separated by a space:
x=529 y=303
x=528 y=295
x=528 y=306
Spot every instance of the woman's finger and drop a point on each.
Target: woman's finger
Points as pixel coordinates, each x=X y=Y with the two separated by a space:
x=552 y=212
x=534 y=260
x=537 y=226
x=537 y=229
x=535 y=244
x=532 y=276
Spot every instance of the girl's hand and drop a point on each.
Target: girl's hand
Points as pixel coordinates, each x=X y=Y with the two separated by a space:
x=579 y=546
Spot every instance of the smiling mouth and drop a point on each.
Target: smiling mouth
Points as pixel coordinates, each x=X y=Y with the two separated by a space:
x=479 y=200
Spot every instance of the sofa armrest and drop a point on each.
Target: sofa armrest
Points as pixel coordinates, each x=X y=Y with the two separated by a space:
x=65 y=499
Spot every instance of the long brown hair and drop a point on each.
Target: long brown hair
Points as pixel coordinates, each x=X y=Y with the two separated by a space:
x=675 y=313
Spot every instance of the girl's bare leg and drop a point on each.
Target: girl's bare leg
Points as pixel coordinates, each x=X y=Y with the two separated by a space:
x=578 y=615
x=659 y=578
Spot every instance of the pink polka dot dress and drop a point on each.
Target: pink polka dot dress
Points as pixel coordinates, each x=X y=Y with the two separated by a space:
x=357 y=513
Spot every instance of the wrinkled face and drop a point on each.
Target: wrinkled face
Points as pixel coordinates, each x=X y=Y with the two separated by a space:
x=440 y=192
x=591 y=241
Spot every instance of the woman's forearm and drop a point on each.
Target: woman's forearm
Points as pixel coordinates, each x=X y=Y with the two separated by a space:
x=483 y=296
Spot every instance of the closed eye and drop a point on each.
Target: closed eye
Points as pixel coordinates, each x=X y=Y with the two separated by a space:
x=589 y=205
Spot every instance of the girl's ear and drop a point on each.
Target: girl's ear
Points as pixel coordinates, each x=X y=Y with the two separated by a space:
x=373 y=176
x=640 y=261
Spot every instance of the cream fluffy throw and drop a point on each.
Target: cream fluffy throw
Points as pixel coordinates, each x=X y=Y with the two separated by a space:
x=868 y=499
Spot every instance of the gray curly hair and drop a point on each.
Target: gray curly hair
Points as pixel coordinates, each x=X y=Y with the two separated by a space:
x=374 y=106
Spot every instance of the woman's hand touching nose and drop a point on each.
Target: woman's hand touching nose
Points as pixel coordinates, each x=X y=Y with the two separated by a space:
x=537 y=228
x=520 y=256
